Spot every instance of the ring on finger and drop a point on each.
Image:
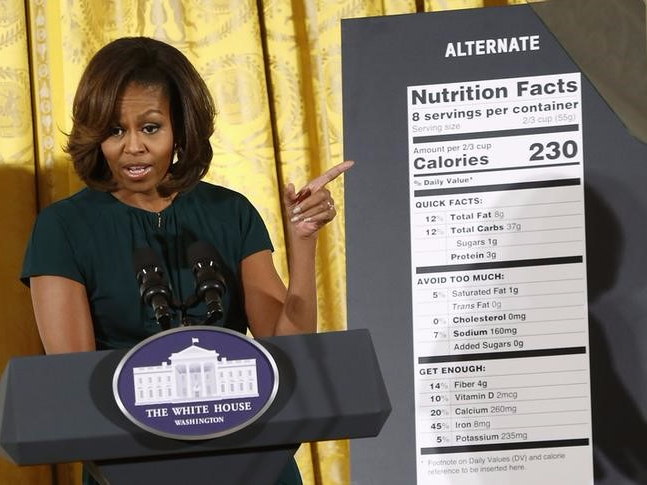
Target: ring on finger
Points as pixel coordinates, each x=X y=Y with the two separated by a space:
x=331 y=205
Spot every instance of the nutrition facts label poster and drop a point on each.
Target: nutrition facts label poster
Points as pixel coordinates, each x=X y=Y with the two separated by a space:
x=499 y=280
x=466 y=246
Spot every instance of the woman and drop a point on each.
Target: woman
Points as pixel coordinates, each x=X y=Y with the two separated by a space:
x=142 y=118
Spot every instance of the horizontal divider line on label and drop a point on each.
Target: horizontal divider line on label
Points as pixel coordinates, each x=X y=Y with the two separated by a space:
x=517 y=263
x=500 y=169
x=538 y=184
x=516 y=354
x=504 y=446
x=496 y=133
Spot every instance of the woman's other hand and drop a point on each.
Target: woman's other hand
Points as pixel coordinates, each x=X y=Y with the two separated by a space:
x=313 y=206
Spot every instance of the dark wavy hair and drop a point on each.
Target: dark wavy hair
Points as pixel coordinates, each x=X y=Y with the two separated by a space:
x=147 y=62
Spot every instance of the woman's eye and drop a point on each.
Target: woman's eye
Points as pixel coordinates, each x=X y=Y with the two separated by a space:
x=150 y=129
x=116 y=131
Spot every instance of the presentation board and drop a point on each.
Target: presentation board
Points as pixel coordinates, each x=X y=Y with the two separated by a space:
x=468 y=258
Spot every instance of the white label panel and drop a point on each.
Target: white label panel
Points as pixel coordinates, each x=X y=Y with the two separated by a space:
x=499 y=282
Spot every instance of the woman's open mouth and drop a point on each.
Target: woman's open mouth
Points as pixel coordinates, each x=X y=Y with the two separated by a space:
x=137 y=171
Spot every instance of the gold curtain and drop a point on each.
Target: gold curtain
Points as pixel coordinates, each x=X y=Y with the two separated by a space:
x=274 y=69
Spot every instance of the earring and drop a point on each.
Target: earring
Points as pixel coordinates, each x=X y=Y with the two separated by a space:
x=177 y=155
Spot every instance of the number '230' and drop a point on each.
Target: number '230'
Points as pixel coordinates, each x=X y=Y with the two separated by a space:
x=553 y=150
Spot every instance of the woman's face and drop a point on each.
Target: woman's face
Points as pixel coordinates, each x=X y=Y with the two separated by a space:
x=140 y=147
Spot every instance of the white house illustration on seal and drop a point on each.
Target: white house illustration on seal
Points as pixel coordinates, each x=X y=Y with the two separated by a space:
x=195 y=374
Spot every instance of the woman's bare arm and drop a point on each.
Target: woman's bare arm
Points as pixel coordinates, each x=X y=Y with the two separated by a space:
x=271 y=308
x=62 y=314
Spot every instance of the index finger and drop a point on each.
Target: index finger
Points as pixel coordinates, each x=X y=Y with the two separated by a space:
x=329 y=175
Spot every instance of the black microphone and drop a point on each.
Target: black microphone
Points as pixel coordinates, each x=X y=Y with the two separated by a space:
x=210 y=285
x=153 y=287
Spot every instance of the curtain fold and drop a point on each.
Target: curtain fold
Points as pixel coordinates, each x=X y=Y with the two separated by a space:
x=435 y=5
x=274 y=69
x=18 y=334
